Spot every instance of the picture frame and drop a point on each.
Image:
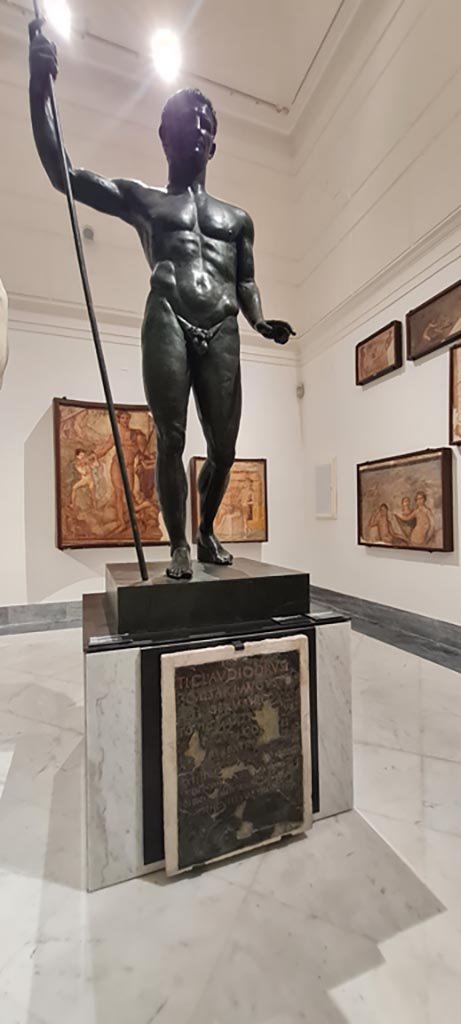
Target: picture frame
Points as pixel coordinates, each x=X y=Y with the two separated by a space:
x=243 y=514
x=455 y=395
x=406 y=501
x=379 y=354
x=90 y=502
x=435 y=323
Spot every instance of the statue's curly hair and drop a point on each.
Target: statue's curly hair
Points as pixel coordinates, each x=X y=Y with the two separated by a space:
x=193 y=94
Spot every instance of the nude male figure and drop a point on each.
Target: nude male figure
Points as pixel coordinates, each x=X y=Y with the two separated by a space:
x=200 y=251
x=85 y=479
x=132 y=442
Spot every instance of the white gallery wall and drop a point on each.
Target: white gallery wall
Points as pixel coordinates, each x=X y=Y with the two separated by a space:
x=379 y=184
x=403 y=412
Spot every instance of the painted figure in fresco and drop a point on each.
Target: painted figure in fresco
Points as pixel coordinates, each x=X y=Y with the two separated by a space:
x=200 y=251
x=380 y=521
x=84 y=476
x=422 y=520
x=376 y=355
x=134 y=442
x=439 y=328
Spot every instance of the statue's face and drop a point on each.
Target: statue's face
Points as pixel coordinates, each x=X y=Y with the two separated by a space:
x=187 y=133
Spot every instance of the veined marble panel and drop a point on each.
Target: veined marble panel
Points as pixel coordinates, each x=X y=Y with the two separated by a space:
x=334 y=715
x=114 y=768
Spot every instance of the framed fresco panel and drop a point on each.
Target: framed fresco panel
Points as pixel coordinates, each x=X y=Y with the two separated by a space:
x=407 y=502
x=235 y=749
x=434 y=323
x=90 y=501
x=455 y=395
x=379 y=354
x=242 y=516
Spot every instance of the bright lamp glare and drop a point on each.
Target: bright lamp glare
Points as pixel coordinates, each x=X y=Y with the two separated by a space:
x=166 y=54
x=57 y=12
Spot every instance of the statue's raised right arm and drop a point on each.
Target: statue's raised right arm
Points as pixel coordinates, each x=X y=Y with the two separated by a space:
x=108 y=195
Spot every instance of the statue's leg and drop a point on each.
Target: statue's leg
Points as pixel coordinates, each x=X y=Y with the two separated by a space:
x=218 y=394
x=166 y=374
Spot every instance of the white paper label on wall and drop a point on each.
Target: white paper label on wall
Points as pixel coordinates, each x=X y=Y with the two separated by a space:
x=325 y=490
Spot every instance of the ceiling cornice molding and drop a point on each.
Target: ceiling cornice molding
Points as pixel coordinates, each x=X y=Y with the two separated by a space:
x=361 y=33
x=324 y=57
x=435 y=251
x=239 y=106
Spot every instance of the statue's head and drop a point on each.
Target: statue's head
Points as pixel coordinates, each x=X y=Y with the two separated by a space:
x=188 y=129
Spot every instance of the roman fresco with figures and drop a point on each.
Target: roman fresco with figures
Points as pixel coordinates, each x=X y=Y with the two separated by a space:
x=90 y=503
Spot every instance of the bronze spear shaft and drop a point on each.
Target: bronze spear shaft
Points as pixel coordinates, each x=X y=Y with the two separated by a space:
x=92 y=318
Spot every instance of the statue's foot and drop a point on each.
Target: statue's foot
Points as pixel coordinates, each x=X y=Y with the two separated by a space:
x=180 y=567
x=210 y=550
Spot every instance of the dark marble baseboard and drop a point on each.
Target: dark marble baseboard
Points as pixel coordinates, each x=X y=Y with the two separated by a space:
x=35 y=618
x=433 y=639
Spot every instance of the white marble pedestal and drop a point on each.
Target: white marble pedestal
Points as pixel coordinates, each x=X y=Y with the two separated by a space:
x=114 y=802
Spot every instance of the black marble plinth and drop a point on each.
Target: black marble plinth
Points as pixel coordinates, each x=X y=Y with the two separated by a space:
x=247 y=591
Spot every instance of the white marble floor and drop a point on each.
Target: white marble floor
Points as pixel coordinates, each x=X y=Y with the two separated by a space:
x=360 y=922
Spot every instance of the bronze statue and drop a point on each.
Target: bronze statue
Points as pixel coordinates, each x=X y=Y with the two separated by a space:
x=200 y=251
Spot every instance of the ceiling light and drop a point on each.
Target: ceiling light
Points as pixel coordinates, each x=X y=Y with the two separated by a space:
x=166 y=54
x=58 y=14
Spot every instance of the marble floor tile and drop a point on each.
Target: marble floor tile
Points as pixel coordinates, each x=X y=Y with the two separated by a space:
x=434 y=856
x=342 y=872
x=358 y=923
x=43 y=703
x=130 y=953
x=277 y=967
x=387 y=697
x=25 y=903
x=41 y=807
x=54 y=653
x=6 y=757
x=388 y=781
x=415 y=965
x=442 y=795
x=441 y=706
x=408 y=787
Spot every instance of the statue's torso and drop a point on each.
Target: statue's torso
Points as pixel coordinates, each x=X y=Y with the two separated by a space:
x=190 y=242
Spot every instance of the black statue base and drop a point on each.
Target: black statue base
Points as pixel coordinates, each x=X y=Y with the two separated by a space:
x=247 y=591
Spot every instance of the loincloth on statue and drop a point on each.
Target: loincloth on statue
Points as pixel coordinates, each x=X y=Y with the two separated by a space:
x=198 y=337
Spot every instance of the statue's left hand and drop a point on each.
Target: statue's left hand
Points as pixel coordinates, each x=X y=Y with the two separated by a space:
x=278 y=330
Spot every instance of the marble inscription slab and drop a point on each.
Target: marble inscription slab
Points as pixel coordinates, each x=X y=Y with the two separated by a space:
x=236 y=749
